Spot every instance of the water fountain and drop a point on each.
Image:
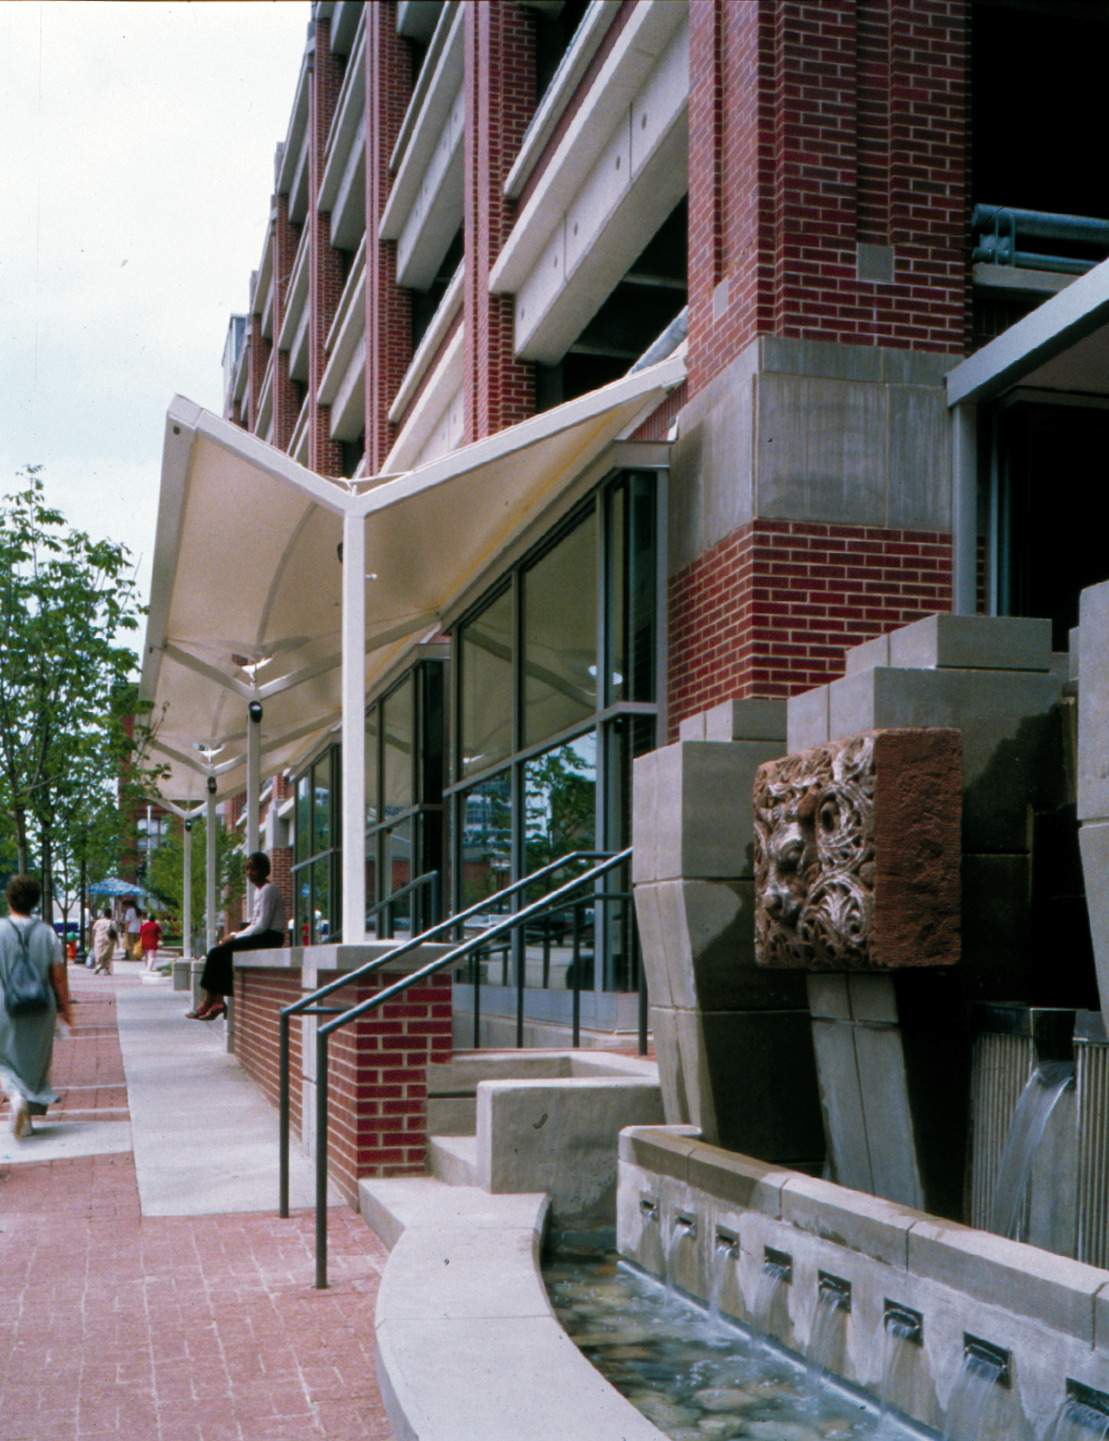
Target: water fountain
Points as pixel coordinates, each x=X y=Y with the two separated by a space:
x=725 y=1254
x=1042 y=1093
x=973 y=1412
x=1083 y=1416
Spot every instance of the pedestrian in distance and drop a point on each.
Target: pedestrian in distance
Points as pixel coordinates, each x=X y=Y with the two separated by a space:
x=265 y=931
x=104 y=937
x=29 y=945
x=150 y=934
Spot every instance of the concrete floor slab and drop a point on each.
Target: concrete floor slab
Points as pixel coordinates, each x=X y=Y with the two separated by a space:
x=205 y=1138
x=61 y=1140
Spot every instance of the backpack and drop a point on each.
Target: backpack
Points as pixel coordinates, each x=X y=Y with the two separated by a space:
x=26 y=992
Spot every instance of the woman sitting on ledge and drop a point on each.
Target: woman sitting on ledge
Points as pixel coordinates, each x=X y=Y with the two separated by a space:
x=266 y=931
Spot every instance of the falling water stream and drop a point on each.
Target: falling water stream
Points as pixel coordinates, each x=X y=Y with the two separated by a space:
x=975 y=1398
x=1077 y=1421
x=1039 y=1098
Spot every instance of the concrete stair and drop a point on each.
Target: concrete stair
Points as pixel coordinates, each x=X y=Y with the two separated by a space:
x=453 y=1159
x=467 y=1343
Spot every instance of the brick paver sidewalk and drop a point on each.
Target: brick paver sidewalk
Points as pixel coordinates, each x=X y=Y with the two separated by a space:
x=203 y=1328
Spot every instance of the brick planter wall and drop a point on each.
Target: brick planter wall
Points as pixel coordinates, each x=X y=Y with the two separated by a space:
x=259 y=996
x=377 y=1086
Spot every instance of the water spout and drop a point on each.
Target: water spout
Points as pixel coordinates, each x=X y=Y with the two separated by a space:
x=724 y=1256
x=775 y=1276
x=1039 y=1098
x=902 y=1338
x=1083 y=1416
x=681 y=1228
x=972 y=1414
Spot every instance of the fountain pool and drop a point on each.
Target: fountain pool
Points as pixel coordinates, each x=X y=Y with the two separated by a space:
x=698 y=1378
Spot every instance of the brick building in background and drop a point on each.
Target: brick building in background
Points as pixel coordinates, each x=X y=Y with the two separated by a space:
x=483 y=212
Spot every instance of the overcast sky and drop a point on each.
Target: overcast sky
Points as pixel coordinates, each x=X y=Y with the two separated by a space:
x=136 y=169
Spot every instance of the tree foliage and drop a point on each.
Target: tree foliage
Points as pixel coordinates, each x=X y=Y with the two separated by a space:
x=67 y=732
x=165 y=872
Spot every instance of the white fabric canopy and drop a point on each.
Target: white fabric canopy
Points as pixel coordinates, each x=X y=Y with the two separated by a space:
x=247 y=600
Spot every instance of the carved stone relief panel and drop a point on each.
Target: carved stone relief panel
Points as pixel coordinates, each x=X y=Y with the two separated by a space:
x=857 y=853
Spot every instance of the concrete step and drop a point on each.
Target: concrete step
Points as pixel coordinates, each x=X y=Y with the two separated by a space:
x=453 y=1159
x=467 y=1345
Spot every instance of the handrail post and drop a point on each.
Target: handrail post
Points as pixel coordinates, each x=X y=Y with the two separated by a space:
x=477 y=1001
x=575 y=1039
x=283 y=1114
x=321 y=1160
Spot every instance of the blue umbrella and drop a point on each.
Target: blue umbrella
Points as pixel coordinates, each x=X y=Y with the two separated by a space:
x=114 y=887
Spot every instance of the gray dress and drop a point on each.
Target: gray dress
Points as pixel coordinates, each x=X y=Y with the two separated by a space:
x=27 y=1042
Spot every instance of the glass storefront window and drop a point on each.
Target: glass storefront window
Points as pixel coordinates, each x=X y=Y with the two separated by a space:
x=560 y=604
x=484 y=855
x=315 y=865
x=405 y=749
x=560 y=802
x=398 y=730
x=485 y=655
x=548 y=727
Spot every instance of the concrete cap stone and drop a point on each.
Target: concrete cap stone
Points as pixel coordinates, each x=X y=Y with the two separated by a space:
x=865 y=1224
x=868 y=655
x=972 y=642
x=738 y=1180
x=1053 y=1290
x=808 y=720
x=662 y=1149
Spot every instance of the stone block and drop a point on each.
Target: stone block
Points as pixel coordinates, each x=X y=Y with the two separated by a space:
x=752 y=1082
x=820 y=449
x=871 y=653
x=692 y=803
x=919 y=456
x=646 y=818
x=737 y=1180
x=857 y=853
x=1053 y=1290
x=560 y=1137
x=707 y=936
x=807 y=720
x=829 y=998
x=664 y=1150
x=973 y=642
x=1093 y=841
x=890 y=1133
x=865 y=1224
x=828 y=360
x=746 y=720
x=1093 y=703
x=1011 y=737
x=842 y=1104
x=693 y=728
x=664 y=1032
x=654 y=943
x=872 y=999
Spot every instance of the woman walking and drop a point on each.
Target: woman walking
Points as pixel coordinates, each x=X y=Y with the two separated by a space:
x=103 y=942
x=27 y=1040
x=266 y=930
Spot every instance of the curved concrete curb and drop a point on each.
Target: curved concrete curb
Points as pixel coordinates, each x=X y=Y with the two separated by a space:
x=468 y=1347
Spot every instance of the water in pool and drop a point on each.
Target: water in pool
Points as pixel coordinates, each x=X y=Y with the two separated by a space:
x=696 y=1378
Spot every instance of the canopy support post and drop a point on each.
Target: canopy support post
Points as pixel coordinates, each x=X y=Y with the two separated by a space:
x=354 y=730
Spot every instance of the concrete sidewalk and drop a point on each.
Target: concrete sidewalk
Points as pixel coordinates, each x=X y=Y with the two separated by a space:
x=149 y=1289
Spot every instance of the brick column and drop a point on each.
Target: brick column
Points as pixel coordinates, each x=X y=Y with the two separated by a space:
x=500 y=101
x=258 y=359
x=388 y=312
x=286 y=400
x=325 y=267
x=817 y=126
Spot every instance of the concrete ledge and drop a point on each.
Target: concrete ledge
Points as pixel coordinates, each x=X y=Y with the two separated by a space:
x=468 y=1348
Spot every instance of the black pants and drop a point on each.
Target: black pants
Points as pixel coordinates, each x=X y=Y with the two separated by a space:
x=217 y=977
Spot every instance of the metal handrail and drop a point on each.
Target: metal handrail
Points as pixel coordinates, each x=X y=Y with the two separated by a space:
x=372 y=1003
x=308 y=1005
x=429 y=878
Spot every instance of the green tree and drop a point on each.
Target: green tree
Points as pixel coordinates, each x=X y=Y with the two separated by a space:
x=165 y=872
x=67 y=603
